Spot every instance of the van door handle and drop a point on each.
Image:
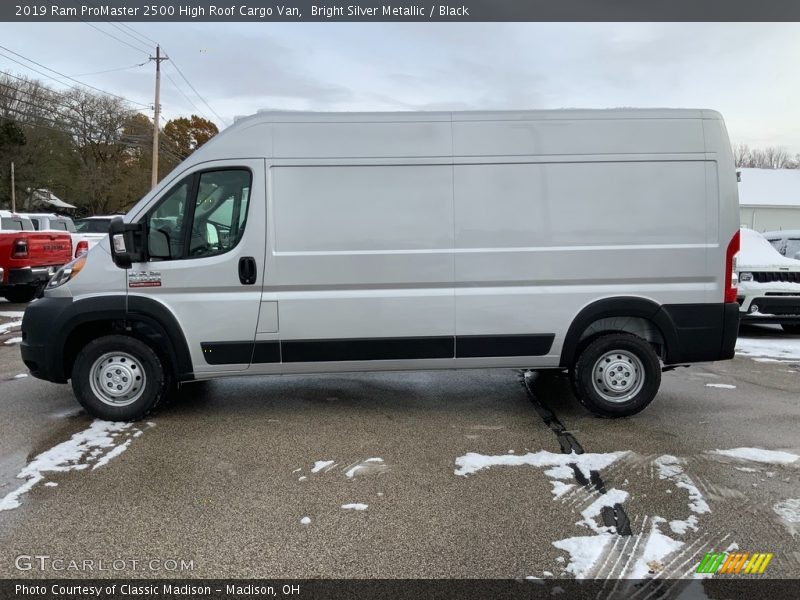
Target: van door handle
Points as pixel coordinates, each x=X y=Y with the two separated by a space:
x=247 y=270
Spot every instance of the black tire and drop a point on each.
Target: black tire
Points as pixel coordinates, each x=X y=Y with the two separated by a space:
x=20 y=294
x=793 y=328
x=584 y=377
x=156 y=379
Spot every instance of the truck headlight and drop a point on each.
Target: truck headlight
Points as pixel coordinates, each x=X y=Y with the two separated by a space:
x=745 y=276
x=67 y=272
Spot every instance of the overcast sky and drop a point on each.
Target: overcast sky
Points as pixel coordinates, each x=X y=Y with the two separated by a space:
x=746 y=71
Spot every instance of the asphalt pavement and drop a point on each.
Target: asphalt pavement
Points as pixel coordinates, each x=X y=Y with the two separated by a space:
x=404 y=475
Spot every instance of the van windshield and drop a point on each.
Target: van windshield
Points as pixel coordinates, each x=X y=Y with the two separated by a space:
x=92 y=225
x=793 y=248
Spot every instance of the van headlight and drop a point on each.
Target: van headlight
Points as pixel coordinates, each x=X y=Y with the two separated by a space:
x=745 y=276
x=66 y=273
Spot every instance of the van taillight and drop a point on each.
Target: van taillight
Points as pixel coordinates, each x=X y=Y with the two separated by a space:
x=20 y=248
x=730 y=268
x=82 y=248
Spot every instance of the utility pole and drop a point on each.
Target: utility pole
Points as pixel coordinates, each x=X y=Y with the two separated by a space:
x=13 y=194
x=157 y=115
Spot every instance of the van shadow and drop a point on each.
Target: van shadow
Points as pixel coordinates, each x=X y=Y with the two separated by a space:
x=479 y=391
x=479 y=394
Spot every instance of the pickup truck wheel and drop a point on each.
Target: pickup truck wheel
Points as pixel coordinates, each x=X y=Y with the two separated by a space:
x=617 y=375
x=791 y=328
x=119 y=378
x=20 y=294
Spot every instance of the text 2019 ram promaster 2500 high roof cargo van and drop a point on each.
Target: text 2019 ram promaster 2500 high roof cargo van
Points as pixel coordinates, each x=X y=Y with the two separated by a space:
x=602 y=242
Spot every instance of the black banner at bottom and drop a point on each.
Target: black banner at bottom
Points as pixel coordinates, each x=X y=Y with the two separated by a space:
x=728 y=588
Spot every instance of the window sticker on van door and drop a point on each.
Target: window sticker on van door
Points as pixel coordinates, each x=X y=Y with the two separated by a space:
x=138 y=279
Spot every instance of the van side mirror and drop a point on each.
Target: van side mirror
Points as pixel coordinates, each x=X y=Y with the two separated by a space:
x=127 y=243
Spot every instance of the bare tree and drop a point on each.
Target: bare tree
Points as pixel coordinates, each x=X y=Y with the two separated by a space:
x=770 y=157
x=741 y=155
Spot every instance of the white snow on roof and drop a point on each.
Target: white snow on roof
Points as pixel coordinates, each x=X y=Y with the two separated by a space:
x=757 y=252
x=769 y=187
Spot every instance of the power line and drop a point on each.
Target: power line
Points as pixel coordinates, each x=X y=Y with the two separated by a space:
x=112 y=36
x=141 y=64
x=51 y=101
x=174 y=64
x=75 y=121
x=139 y=37
x=126 y=140
x=66 y=76
x=180 y=91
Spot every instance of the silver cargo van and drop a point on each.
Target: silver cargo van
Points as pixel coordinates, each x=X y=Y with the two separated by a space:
x=599 y=242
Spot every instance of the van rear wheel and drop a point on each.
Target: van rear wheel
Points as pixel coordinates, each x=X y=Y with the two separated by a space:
x=119 y=378
x=617 y=375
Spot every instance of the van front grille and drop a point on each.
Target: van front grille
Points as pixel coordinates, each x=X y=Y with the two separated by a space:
x=770 y=276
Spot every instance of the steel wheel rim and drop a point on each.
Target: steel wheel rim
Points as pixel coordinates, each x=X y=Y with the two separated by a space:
x=117 y=379
x=618 y=376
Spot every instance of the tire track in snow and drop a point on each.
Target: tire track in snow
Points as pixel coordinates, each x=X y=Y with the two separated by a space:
x=613 y=516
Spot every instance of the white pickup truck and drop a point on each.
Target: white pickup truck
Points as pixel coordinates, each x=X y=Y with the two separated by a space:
x=81 y=241
x=769 y=284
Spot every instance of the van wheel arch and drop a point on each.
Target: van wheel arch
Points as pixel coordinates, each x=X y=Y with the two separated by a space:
x=628 y=314
x=147 y=321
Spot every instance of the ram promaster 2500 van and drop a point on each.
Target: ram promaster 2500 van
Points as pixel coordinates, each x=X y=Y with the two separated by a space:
x=599 y=242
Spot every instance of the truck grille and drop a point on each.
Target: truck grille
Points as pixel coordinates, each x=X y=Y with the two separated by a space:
x=770 y=276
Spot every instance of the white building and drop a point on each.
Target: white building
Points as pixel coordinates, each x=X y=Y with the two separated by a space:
x=769 y=199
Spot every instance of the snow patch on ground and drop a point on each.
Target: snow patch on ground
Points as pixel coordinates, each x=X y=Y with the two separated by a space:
x=789 y=511
x=12 y=341
x=472 y=462
x=584 y=551
x=12 y=314
x=355 y=506
x=775 y=457
x=322 y=464
x=101 y=438
x=305 y=521
x=782 y=348
x=610 y=498
x=6 y=327
x=681 y=527
x=560 y=488
x=671 y=467
x=370 y=464
x=20 y=376
x=724 y=386
x=657 y=548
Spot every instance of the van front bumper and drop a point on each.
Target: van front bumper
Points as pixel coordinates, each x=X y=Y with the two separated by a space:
x=771 y=309
x=42 y=321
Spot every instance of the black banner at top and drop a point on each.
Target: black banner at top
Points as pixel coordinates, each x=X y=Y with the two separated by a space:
x=398 y=11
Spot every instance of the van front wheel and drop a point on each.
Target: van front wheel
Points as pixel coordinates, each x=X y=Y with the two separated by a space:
x=118 y=378
x=617 y=375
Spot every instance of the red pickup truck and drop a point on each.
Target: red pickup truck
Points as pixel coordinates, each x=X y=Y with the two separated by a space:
x=28 y=258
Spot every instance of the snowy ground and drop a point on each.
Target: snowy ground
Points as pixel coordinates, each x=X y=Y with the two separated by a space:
x=410 y=475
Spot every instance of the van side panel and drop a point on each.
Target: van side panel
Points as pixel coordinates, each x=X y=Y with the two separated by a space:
x=363 y=251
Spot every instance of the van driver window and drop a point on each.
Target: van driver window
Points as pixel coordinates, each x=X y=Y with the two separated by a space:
x=165 y=224
x=215 y=201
